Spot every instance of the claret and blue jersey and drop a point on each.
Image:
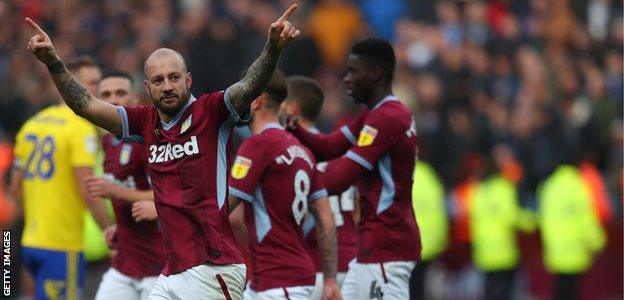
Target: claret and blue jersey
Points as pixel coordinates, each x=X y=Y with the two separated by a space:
x=275 y=176
x=188 y=160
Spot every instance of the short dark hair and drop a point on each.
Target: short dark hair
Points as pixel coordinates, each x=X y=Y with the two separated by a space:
x=75 y=64
x=307 y=93
x=276 y=90
x=117 y=73
x=379 y=52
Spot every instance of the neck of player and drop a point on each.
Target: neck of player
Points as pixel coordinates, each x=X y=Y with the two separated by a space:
x=381 y=91
x=261 y=119
x=305 y=123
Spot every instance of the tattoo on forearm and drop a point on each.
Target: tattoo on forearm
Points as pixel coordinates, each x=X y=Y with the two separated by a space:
x=326 y=238
x=56 y=68
x=258 y=75
x=73 y=92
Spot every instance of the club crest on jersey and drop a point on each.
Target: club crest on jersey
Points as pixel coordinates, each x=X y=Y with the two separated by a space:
x=124 y=155
x=367 y=136
x=186 y=124
x=241 y=167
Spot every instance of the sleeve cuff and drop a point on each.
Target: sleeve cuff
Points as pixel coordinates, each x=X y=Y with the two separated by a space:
x=125 y=131
x=348 y=134
x=360 y=160
x=240 y=194
x=239 y=120
x=317 y=195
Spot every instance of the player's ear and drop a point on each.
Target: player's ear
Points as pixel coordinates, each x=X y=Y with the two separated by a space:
x=146 y=85
x=376 y=73
x=189 y=79
x=257 y=104
x=254 y=105
x=295 y=109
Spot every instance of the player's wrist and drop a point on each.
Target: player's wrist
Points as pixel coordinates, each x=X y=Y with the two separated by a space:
x=330 y=279
x=272 y=48
x=54 y=64
x=52 y=60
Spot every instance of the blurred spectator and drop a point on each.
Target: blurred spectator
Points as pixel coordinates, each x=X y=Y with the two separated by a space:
x=382 y=15
x=432 y=219
x=334 y=24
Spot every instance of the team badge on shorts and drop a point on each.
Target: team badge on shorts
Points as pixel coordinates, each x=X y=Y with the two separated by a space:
x=124 y=155
x=367 y=136
x=241 y=167
x=186 y=124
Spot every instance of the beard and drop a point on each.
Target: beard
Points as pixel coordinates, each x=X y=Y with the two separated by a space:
x=171 y=109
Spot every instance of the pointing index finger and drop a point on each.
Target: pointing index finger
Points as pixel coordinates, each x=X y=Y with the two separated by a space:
x=34 y=25
x=286 y=14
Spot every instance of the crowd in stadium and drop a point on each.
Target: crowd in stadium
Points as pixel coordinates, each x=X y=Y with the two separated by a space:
x=517 y=88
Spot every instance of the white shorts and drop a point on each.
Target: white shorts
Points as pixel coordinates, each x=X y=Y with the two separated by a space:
x=389 y=280
x=205 y=281
x=116 y=285
x=283 y=293
x=318 y=284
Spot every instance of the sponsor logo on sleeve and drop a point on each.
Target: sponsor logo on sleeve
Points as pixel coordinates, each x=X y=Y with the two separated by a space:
x=367 y=136
x=241 y=167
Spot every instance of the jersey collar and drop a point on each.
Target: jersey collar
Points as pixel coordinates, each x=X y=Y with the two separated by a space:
x=170 y=124
x=272 y=125
x=386 y=99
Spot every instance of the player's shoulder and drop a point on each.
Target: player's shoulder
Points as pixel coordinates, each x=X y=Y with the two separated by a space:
x=254 y=142
x=142 y=109
x=48 y=114
x=211 y=97
x=391 y=113
x=391 y=107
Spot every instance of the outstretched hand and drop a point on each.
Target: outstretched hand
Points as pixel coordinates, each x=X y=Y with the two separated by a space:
x=41 y=45
x=289 y=122
x=282 y=31
x=99 y=187
x=144 y=211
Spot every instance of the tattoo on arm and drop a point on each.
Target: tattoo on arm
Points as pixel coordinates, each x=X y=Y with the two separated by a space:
x=242 y=93
x=326 y=238
x=73 y=92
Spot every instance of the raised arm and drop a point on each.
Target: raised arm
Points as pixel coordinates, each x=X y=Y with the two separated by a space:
x=75 y=95
x=325 y=146
x=242 y=93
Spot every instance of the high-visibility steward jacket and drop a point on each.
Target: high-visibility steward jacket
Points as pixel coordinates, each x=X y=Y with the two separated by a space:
x=494 y=218
x=430 y=211
x=571 y=232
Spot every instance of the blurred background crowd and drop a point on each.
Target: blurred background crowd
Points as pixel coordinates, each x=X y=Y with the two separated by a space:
x=522 y=85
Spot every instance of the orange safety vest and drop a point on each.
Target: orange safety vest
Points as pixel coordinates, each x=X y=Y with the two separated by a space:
x=598 y=192
x=7 y=207
x=462 y=196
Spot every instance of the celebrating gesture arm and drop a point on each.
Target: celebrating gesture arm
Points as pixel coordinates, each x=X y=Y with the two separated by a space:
x=75 y=95
x=242 y=93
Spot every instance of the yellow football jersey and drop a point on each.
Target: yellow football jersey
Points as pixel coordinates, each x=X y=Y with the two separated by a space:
x=47 y=148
